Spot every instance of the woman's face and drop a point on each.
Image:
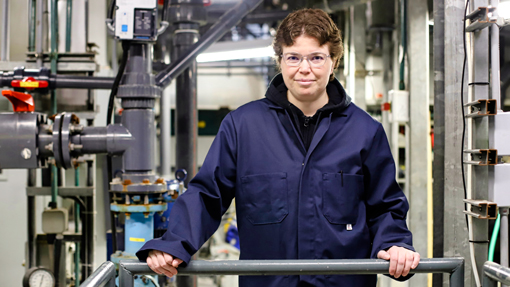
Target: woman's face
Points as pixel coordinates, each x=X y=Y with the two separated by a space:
x=306 y=83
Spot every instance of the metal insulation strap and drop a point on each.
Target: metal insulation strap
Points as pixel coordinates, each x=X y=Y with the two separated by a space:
x=454 y=266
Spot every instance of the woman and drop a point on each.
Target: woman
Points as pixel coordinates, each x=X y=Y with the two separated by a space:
x=312 y=174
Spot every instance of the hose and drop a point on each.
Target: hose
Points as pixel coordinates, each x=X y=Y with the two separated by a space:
x=494 y=239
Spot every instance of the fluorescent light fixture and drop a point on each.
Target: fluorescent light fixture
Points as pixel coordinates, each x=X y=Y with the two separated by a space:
x=236 y=55
x=504 y=9
x=237 y=50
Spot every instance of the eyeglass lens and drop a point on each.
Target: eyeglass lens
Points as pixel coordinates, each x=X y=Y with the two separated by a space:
x=315 y=59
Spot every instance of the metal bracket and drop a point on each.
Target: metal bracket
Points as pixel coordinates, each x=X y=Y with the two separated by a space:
x=482 y=157
x=482 y=209
x=482 y=108
x=481 y=18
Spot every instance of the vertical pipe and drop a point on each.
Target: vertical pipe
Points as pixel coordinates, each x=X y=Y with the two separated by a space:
x=186 y=114
x=76 y=230
x=54 y=170
x=86 y=21
x=88 y=226
x=457 y=277
x=165 y=125
x=503 y=233
x=403 y=39
x=69 y=17
x=4 y=32
x=439 y=136
x=31 y=25
x=39 y=32
x=115 y=65
x=495 y=69
x=31 y=233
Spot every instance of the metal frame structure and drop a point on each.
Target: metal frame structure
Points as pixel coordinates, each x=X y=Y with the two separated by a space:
x=105 y=274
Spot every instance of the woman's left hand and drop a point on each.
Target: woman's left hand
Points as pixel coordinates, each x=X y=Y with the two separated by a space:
x=402 y=260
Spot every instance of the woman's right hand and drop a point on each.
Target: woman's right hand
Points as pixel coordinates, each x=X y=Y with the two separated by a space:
x=163 y=263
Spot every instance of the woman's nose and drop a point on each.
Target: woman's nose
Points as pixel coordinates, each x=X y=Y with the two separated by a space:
x=304 y=66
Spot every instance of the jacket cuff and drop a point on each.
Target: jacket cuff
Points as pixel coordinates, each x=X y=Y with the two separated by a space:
x=164 y=246
x=387 y=246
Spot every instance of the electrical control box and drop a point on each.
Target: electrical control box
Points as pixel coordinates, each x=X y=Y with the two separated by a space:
x=55 y=221
x=136 y=20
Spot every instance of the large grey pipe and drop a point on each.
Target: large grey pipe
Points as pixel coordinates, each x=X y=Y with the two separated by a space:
x=138 y=94
x=4 y=50
x=226 y=22
x=186 y=115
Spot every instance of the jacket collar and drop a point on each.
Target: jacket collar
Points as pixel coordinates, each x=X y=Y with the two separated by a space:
x=337 y=96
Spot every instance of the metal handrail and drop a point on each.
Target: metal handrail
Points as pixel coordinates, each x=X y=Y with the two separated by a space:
x=105 y=275
x=494 y=273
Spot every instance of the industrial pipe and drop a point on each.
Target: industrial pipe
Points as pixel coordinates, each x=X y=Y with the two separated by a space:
x=69 y=17
x=226 y=22
x=4 y=32
x=31 y=25
x=39 y=32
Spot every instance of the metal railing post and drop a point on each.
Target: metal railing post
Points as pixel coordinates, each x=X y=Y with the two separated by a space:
x=104 y=276
x=493 y=273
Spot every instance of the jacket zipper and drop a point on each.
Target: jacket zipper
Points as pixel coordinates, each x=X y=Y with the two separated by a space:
x=342 y=175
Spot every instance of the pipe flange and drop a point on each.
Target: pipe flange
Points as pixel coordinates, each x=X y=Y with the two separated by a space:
x=61 y=140
x=139 y=188
x=57 y=151
x=65 y=140
x=138 y=208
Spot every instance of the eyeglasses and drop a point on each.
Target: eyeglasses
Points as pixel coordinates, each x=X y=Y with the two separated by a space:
x=315 y=60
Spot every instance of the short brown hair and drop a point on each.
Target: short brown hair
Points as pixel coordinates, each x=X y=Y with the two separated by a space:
x=311 y=22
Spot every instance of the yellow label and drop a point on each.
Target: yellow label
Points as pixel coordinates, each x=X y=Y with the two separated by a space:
x=29 y=84
x=201 y=124
x=136 y=239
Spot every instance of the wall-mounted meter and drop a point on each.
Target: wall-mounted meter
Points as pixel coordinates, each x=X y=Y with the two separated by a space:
x=136 y=20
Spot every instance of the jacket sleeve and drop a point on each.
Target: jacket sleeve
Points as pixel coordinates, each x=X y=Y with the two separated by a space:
x=387 y=205
x=197 y=213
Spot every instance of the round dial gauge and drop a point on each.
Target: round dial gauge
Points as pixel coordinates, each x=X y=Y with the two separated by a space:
x=38 y=277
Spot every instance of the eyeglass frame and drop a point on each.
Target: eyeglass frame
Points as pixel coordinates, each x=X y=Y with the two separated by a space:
x=302 y=57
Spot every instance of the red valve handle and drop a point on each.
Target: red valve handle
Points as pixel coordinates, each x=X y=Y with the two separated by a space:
x=386 y=106
x=29 y=83
x=21 y=102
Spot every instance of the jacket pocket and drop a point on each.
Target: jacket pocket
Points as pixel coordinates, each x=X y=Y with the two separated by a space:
x=266 y=197
x=341 y=197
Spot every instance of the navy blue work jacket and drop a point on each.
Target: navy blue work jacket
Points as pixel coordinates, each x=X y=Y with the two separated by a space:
x=336 y=200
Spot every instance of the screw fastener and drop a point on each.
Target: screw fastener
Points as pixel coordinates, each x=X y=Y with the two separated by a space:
x=26 y=153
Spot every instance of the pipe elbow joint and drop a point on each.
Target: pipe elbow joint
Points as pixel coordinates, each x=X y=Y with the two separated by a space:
x=118 y=139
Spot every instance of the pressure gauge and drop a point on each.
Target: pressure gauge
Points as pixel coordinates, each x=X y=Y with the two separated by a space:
x=38 y=277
